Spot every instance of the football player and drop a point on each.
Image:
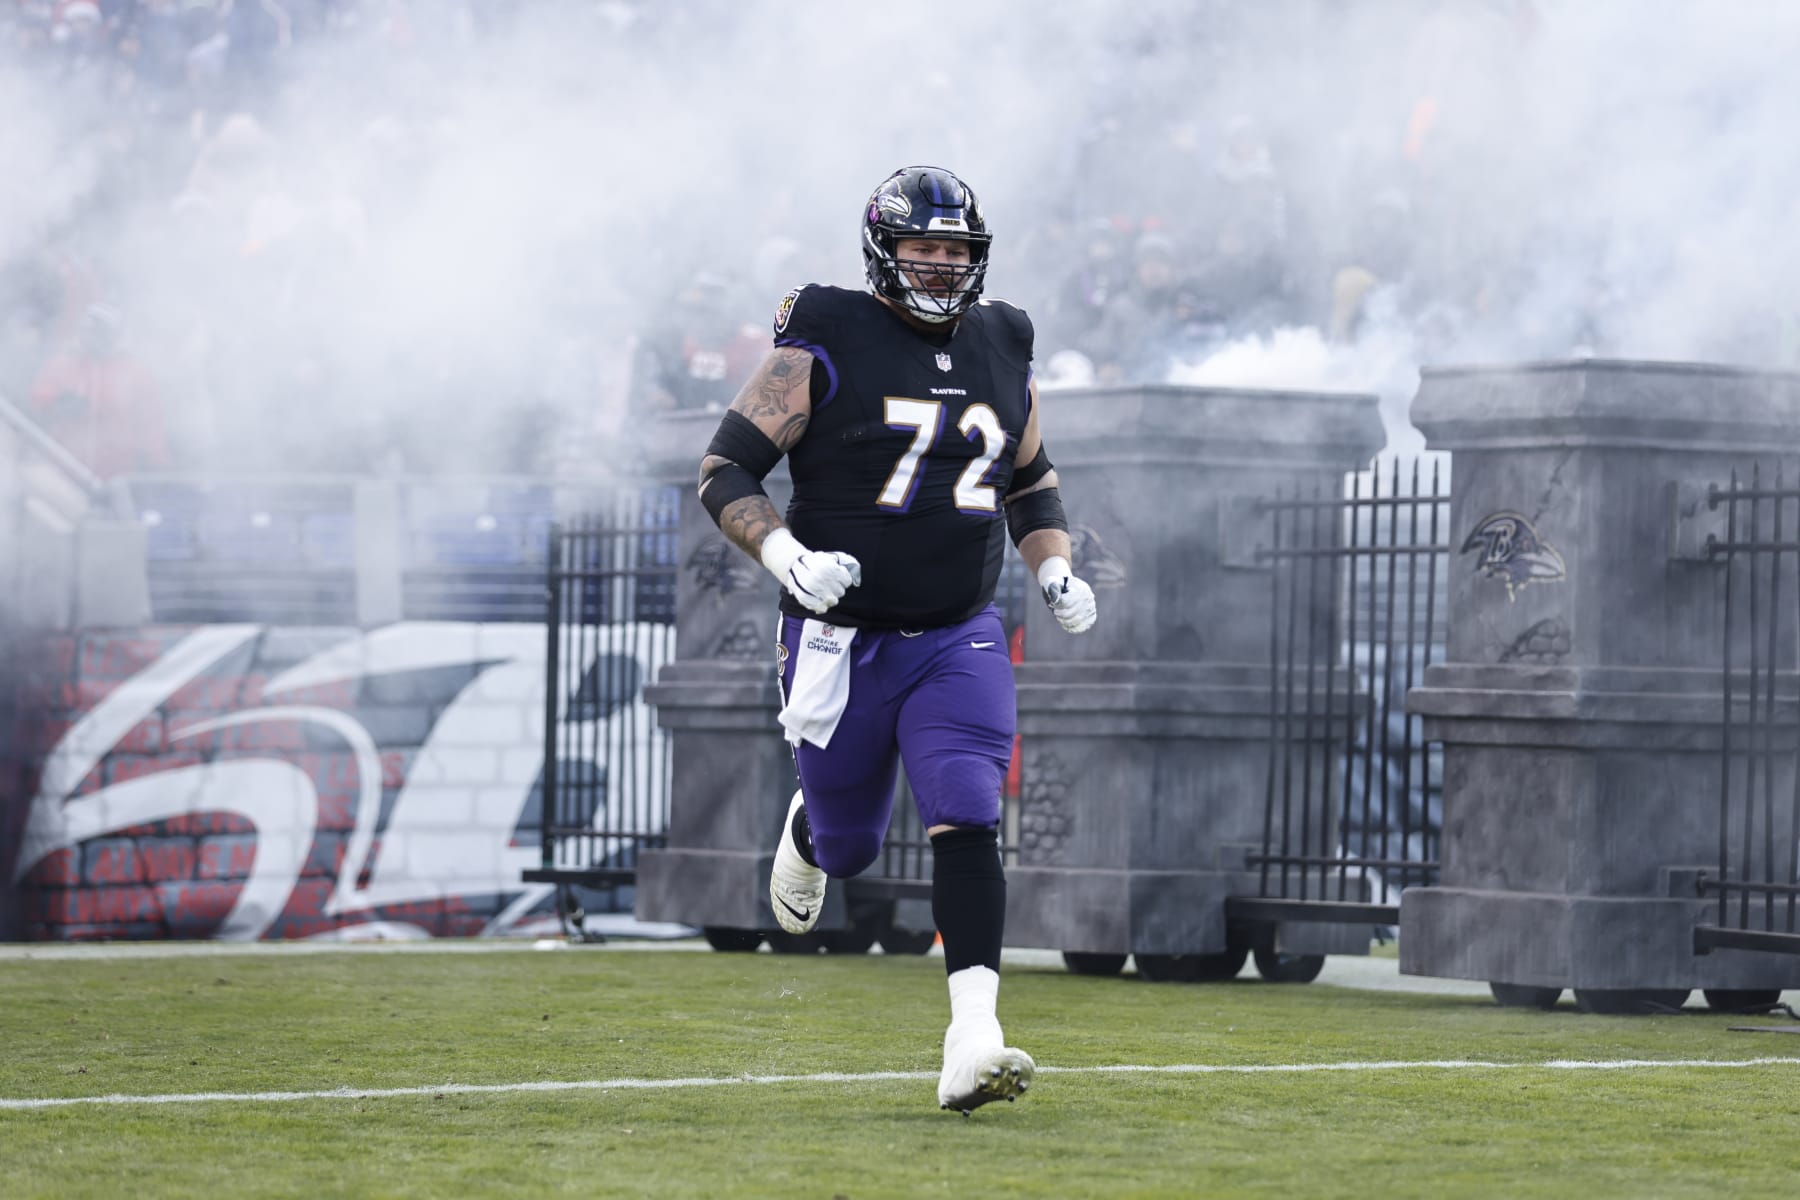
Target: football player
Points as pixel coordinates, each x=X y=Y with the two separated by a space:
x=910 y=421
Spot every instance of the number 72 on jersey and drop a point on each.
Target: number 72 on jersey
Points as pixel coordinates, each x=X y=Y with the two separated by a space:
x=926 y=418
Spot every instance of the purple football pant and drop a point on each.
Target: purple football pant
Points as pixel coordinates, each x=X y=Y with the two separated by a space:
x=942 y=702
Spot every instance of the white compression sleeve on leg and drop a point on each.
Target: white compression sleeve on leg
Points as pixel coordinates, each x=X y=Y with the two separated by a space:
x=974 y=995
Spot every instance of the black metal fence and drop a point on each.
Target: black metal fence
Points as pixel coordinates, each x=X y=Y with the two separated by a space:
x=1757 y=884
x=1352 y=806
x=610 y=625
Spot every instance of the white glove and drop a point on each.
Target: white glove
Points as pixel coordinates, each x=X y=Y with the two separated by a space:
x=818 y=579
x=1070 y=599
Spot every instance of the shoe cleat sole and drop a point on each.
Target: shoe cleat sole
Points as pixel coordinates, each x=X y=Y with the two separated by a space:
x=1007 y=1079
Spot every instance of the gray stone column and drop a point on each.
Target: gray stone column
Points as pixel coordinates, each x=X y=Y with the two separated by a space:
x=732 y=774
x=1580 y=703
x=1144 y=741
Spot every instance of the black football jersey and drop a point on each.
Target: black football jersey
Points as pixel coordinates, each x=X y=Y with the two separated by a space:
x=909 y=453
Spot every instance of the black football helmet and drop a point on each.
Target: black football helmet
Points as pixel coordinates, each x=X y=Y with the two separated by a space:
x=924 y=202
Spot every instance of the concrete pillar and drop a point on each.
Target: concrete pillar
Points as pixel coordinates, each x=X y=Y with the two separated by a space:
x=45 y=557
x=1579 y=702
x=380 y=552
x=46 y=572
x=1145 y=741
x=112 y=574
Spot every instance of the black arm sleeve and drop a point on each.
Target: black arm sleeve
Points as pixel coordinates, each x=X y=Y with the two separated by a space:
x=739 y=440
x=1039 y=510
x=745 y=456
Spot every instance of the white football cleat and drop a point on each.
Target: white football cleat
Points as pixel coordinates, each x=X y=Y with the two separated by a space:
x=980 y=1067
x=796 y=887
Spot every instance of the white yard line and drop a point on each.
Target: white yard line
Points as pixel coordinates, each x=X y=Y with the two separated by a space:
x=623 y=1085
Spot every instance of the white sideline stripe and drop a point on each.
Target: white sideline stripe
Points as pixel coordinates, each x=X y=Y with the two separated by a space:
x=1438 y=1064
x=604 y=1085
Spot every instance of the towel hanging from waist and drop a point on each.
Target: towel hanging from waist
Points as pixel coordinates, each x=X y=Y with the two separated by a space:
x=821 y=688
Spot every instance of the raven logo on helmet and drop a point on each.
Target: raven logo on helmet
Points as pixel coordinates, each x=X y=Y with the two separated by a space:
x=925 y=202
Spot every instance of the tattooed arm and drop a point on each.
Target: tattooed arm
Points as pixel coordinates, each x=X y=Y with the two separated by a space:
x=763 y=424
x=777 y=400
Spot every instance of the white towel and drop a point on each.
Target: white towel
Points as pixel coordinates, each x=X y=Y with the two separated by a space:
x=821 y=688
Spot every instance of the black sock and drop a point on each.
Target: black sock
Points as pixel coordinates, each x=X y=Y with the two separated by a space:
x=968 y=897
x=803 y=836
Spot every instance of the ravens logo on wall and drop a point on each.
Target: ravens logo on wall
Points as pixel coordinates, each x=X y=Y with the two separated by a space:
x=1093 y=560
x=1513 y=553
x=716 y=566
x=743 y=640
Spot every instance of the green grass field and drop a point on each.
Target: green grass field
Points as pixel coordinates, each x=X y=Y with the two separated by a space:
x=301 y=1022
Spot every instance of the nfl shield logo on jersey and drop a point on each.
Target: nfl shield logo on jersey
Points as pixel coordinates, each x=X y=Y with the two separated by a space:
x=943 y=361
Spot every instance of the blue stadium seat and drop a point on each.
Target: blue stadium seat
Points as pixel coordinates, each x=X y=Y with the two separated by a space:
x=329 y=539
x=171 y=536
x=464 y=539
x=250 y=535
x=169 y=512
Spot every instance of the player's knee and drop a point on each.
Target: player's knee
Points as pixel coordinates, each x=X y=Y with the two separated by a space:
x=843 y=855
x=961 y=790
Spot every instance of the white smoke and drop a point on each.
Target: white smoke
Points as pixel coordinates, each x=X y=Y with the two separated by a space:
x=460 y=214
x=1383 y=361
x=48 y=165
x=1573 y=178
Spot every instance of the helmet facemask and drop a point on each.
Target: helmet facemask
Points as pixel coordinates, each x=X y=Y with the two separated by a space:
x=931 y=291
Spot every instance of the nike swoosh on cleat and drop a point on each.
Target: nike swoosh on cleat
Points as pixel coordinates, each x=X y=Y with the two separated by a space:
x=799 y=913
x=982 y=645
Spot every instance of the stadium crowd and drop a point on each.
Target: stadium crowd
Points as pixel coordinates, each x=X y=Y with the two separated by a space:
x=188 y=92
x=1210 y=230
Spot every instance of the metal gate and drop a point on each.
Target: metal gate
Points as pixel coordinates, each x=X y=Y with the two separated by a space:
x=1757 y=884
x=610 y=625
x=1352 y=806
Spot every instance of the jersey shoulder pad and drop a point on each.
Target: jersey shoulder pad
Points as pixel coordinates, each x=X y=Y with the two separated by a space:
x=1010 y=325
x=808 y=315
